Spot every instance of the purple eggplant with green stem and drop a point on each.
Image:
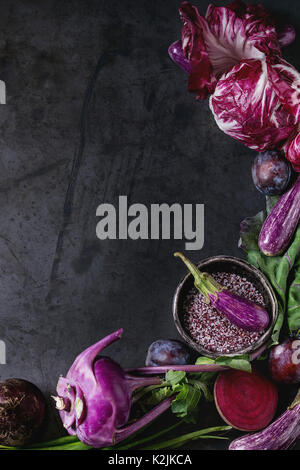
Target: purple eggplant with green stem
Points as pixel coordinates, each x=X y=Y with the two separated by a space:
x=239 y=311
x=280 y=225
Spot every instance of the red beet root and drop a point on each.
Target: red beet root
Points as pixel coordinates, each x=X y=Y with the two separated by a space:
x=284 y=362
x=246 y=401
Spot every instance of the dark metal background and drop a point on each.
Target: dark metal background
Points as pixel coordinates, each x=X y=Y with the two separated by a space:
x=91 y=92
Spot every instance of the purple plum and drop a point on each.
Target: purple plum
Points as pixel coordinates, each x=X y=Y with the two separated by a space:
x=167 y=352
x=271 y=173
x=284 y=362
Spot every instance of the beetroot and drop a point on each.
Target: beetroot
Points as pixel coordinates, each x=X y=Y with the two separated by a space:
x=279 y=435
x=22 y=411
x=246 y=401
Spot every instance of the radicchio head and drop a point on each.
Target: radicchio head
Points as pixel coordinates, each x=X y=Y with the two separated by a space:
x=235 y=58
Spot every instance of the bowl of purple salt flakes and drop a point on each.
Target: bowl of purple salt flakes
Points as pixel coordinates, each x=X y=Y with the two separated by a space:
x=204 y=328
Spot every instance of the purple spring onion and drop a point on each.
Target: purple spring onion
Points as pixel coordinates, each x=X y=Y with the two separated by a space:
x=191 y=368
x=240 y=311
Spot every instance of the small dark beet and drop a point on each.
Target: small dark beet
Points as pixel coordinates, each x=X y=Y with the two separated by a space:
x=284 y=362
x=167 y=352
x=22 y=411
x=271 y=173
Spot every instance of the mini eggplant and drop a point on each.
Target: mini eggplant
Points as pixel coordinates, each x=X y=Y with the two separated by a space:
x=279 y=435
x=240 y=311
x=177 y=55
x=280 y=225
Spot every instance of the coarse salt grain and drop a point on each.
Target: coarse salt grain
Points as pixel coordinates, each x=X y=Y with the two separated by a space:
x=211 y=329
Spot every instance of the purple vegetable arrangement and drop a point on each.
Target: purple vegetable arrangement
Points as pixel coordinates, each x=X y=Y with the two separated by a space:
x=94 y=399
x=233 y=56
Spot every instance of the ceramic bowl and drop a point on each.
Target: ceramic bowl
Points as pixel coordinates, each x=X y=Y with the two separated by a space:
x=231 y=265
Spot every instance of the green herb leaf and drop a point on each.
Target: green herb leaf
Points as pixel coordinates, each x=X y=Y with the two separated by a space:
x=283 y=271
x=187 y=390
x=204 y=389
x=175 y=376
x=206 y=377
x=250 y=230
x=186 y=402
x=159 y=395
x=204 y=360
x=238 y=362
x=241 y=362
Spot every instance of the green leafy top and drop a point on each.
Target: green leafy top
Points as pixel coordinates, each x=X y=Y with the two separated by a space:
x=241 y=362
x=187 y=389
x=283 y=271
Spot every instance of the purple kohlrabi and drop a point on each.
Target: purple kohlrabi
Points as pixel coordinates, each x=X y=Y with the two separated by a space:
x=94 y=399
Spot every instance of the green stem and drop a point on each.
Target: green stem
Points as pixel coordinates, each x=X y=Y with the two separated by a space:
x=137 y=396
x=296 y=401
x=179 y=441
x=149 y=438
x=72 y=443
x=203 y=387
x=202 y=281
x=57 y=444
